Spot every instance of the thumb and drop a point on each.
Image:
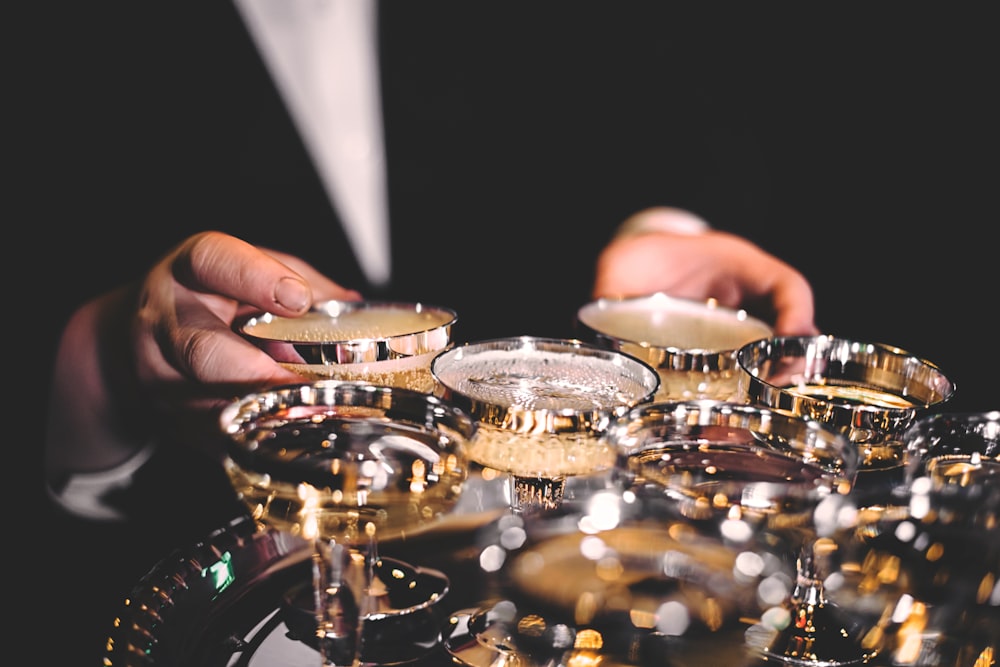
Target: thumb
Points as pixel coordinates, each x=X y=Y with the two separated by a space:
x=221 y=264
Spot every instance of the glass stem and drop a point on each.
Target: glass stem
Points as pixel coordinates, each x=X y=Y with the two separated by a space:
x=808 y=586
x=337 y=595
x=535 y=493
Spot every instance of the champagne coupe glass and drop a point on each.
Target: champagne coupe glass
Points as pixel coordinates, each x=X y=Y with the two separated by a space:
x=541 y=404
x=869 y=391
x=930 y=566
x=752 y=470
x=953 y=478
x=692 y=344
x=383 y=342
x=958 y=453
x=344 y=465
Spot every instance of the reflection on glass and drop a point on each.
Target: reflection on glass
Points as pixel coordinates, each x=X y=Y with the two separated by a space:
x=615 y=578
x=542 y=405
x=760 y=473
x=928 y=566
x=869 y=391
x=344 y=465
x=381 y=342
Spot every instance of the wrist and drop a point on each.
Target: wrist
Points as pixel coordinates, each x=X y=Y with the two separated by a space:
x=663 y=219
x=97 y=417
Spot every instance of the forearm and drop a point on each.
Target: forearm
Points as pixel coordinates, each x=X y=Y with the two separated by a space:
x=95 y=418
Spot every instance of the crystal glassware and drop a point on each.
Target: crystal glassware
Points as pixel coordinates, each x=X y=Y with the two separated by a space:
x=955 y=451
x=614 y=577
x=344 y=465
x=752 y=471
x=929 y=565
x=869 y=391
x=382 y=342
x=692 y=344
x=541 y=404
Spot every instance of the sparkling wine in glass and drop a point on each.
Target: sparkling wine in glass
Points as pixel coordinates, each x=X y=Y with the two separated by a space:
x=542 y=404
x=383 y=342
x=692 y=344
x=344 y=465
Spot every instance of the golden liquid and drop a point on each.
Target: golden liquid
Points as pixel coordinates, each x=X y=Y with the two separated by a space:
x=853 y=395
x=406 y=372
x=675 y=324
x=531 y=379
x=299 y=479
x=678 y=385
x=879 y=456
x=548 y=455
x=692 y=464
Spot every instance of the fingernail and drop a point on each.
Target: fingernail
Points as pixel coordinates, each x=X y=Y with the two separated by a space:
x=292 y=294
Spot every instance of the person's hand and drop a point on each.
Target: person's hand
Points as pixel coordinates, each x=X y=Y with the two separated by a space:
x=183 y=332
x=163 y=354
x=705 y=264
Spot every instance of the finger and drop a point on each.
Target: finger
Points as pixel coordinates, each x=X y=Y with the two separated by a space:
x=323 y=288
x=795 y=308
x=217 y=263
x=787 y=293
x=760 y=275
x=208 y=350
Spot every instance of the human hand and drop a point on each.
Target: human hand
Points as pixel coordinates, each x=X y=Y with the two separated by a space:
x=163 y=354
x=703 y=265
x=191 y=300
